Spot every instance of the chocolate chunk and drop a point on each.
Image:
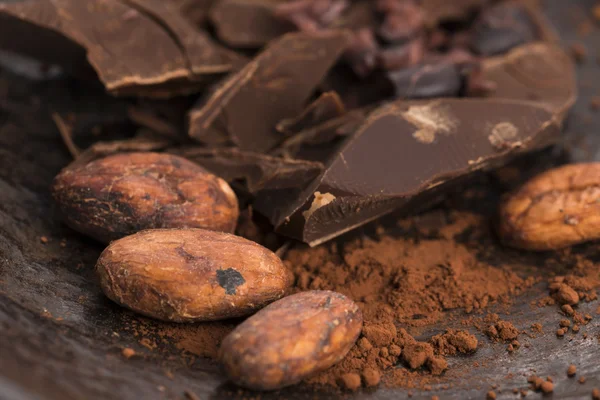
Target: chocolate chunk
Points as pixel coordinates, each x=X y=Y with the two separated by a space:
x=427 y=80
x=328 y=106
x=259 y=171
x=538 y=72
x=403 y=156
x=502 y=28
x=245 y=108
x=118 y=38
x=248 y=23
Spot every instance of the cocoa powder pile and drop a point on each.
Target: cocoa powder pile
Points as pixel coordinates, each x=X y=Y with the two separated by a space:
x=406 y=278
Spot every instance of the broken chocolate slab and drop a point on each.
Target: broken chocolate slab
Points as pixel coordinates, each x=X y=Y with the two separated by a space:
x=501 y=28
x=326 y=107
x=259 y=171
x=248 y=23
x=275 y=85
x=118 y=38
x=405 y=155
x=538 y=72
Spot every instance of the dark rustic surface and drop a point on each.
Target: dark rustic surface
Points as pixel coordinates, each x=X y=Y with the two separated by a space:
x=60 y=338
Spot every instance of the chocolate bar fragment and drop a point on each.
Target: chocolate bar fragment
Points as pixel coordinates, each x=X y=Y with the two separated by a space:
x=118 y=38
x=248 y=23
x=404 y=155
x=539 y=72
x=244 y=109
x=259 y=171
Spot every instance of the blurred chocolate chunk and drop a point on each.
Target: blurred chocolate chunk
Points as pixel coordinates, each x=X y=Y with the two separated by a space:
x=404 y=155
x=427 y=80
x=501 y=28
x=258 y=171
x=536 y=72
x=275 y=85
x=326 y=107
x=117 y=38
x=248 y=23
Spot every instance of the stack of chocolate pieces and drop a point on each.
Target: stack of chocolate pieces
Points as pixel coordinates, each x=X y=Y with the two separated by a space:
x=326 y=113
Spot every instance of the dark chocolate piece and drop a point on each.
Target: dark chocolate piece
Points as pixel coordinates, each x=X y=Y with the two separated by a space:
x=427 y=80
x=245 y=108
x=502 y=28
x=327 y=107
x=118 y=38
x=260 y=171
x=404 y=155
x=537 y=72
x=248 y=23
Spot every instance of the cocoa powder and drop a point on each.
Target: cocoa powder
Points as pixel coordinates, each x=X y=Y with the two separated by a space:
x=409 y=277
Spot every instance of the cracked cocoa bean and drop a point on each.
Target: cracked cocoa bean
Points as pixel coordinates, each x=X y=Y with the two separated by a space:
x=291 y=339
x=116 y=196
x=191 y=274
x=556 y=209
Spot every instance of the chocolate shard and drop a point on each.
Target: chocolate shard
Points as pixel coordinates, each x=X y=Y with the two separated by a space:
x=118 y=38
x=501 y=28
x=245 y=108
x=405 y=155
x=259 y=171
x=326 y=107
x=537 y=72
x=248 y=23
